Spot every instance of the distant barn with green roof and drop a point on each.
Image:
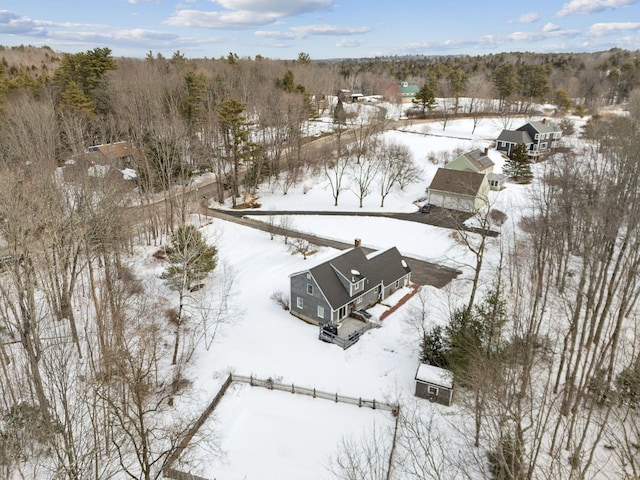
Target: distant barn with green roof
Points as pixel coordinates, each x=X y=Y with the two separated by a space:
x=408 y=92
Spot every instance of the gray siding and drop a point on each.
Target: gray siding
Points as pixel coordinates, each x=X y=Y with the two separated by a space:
x=368 y=299
x=443 y=397
x=310 y=303
x=389 y=289
x=344 y=281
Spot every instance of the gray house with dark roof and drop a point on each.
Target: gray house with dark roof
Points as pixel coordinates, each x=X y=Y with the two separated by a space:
x=330 y=291
x=540 y=137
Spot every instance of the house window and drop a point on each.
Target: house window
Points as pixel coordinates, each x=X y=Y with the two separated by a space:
x=356 y=286
x=543 y=146
x=320 y=311
x=359 y=299
x=300 y=303
x=397 y=283
x=537 y=137
x=309 y=289
x=432 y=390
x=503 y=144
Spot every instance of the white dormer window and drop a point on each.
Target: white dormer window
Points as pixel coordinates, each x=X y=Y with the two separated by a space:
x=537 y=137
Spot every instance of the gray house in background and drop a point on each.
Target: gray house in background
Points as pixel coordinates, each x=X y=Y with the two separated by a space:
x=330 y=291
x=540 y=137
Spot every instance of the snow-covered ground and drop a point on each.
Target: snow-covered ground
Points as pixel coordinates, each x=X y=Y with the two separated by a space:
x=265 y=431
x=272 y=435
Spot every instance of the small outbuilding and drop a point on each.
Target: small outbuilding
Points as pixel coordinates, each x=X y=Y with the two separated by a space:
x=434 y=384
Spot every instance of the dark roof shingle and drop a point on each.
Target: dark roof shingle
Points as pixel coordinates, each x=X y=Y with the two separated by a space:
x=457 y=181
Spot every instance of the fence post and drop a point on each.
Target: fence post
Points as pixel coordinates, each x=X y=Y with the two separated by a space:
x=314 y=392
x=360 y=402
x=293 y=389
x=336 y=397
x=251 y=380
x=374 y=403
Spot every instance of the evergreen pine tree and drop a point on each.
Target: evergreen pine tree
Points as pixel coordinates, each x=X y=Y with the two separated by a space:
x=190 y=258
x=339 y=115
x=518 y=167
x=433 y=350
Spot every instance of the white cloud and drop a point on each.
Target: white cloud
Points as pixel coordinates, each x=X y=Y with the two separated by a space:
x=601 y=29
x=308 y=30
x=276 y=35
x=527 y=18
x=349 y=42
x=591 y=6
x=221 y=20
x=245 y=13
x=311 y=30
x=13 y=24
x=550 y=27
x=284 y=8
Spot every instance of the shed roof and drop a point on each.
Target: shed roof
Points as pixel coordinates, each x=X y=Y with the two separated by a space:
x=460 y=182
x=435 y=375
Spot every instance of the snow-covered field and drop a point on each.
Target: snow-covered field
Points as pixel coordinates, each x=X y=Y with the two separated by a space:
x=272 y=435
x=265 y=431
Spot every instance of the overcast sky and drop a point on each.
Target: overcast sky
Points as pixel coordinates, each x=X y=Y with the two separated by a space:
x=322 y=28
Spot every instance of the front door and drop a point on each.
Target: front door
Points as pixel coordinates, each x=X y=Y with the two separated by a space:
x=342 y=312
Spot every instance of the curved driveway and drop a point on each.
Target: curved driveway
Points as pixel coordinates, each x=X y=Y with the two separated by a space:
x=422 y=272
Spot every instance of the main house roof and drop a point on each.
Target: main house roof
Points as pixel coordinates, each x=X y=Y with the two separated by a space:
x=542 y=126
x=515 y=136
x=383 y=267
x=460 y=182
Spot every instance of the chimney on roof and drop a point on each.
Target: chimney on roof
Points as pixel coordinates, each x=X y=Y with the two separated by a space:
x=357 y=242
x=486 y=150
x=544 y=121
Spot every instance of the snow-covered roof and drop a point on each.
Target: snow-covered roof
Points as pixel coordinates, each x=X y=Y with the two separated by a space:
x=129 y=174
x=434 y=375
